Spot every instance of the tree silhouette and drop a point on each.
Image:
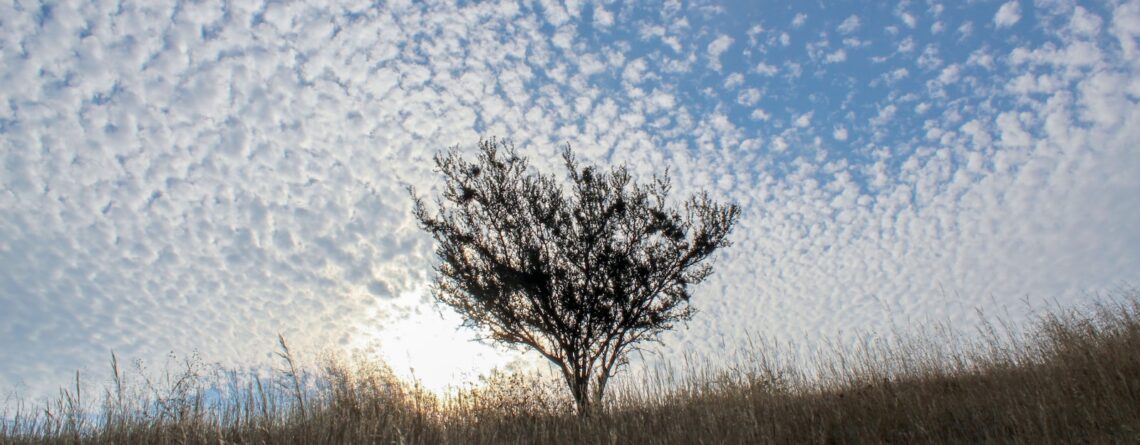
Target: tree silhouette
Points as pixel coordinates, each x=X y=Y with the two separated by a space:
x=582 y=273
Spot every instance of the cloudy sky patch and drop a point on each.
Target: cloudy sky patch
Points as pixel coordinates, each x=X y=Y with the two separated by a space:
x=200 y=176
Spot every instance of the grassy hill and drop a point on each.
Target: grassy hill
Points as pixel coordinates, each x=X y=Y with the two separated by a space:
x=1073 y=377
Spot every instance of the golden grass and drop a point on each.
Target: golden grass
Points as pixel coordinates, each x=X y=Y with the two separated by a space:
x=1074 y=377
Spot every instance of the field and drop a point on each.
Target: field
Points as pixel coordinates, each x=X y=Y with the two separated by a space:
x=1071 y=377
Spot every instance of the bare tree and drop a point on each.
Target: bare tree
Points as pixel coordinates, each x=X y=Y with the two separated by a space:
x=581 y=273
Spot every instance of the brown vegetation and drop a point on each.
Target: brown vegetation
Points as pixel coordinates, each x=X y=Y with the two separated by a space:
x=1074 y=377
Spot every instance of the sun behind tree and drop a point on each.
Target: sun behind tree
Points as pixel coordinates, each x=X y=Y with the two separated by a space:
x=581 y=277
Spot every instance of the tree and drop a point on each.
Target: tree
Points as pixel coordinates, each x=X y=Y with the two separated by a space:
x=583 y=273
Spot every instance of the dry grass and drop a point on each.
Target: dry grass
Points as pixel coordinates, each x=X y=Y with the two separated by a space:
x=1072 y=378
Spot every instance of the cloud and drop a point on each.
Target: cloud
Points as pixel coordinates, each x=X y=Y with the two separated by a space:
x=799 y=20
x=765 y=69
x=1008 y=14
x=602 y=17
x=749 y=97
x=896 y=75
x=966 y=29
x=779 y=145
x=754 y=34
x=850 y=24
x=716 y=48
x=555 y=13
x=837 y=56
x=733 y=81
x=885 y=115
x=1126 y=26
x=803 y=120
x=1083 y=23
x=908 y=20
x=634 y=71
x=929 y=59
x=950 y=74
x=906 y=45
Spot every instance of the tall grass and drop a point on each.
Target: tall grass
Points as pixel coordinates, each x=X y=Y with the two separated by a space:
x=1072 y=377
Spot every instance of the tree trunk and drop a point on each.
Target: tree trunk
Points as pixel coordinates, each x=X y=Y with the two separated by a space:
x=580 y=388
x=600 y=386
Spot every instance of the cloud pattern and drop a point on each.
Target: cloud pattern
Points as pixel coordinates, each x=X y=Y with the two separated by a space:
x=186 y=175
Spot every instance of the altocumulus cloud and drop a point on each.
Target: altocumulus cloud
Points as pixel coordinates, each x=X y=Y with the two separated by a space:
x=202 y=175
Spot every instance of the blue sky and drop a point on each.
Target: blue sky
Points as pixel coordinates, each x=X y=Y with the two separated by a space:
x=200 y=176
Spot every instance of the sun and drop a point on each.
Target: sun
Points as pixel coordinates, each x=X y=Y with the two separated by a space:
x=431 y=347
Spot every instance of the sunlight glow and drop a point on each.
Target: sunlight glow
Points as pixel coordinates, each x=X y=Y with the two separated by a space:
x=430 y=346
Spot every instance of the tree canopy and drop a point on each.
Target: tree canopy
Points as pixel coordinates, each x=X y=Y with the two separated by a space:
x=581 y=271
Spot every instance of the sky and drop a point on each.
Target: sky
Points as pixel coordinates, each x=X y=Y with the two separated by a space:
x=201 y=176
